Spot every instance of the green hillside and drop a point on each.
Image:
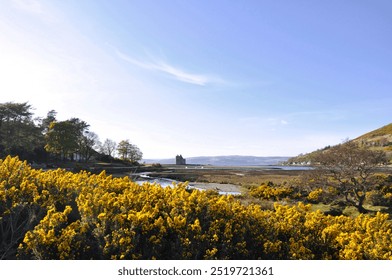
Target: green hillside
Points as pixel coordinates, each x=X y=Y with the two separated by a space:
x=379 y=139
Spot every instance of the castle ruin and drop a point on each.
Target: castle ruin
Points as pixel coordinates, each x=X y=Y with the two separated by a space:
x=180 y=160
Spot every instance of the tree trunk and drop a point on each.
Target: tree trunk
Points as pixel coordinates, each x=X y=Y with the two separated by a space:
x=361 y=199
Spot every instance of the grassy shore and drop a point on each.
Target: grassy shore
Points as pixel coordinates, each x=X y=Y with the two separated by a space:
x=241 y=176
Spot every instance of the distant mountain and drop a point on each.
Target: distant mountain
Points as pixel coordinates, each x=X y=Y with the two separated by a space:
x=225 y=160
x=379 y=139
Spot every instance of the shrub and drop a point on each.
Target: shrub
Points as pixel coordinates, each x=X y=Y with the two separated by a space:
x=314 y=196
x=269 y=192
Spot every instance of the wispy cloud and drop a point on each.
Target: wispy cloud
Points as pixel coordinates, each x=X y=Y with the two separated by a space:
x=173 y=71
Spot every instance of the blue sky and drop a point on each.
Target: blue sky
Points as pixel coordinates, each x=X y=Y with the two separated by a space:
x=263 y=78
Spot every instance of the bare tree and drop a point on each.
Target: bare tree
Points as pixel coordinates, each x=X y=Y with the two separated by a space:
x=135 y=154
x=348 y=167
x=87 y=144
x=108 y=148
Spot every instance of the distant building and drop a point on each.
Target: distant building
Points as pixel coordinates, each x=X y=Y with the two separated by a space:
x=180 y=160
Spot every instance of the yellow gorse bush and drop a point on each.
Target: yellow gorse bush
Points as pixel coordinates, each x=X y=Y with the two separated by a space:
x=314 y=195
x=269 y=192
x=57 y=214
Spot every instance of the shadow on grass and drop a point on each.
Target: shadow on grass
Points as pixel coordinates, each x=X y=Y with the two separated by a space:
x=351 y=211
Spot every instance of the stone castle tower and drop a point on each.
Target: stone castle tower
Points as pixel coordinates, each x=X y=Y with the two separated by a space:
x=180 y=160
